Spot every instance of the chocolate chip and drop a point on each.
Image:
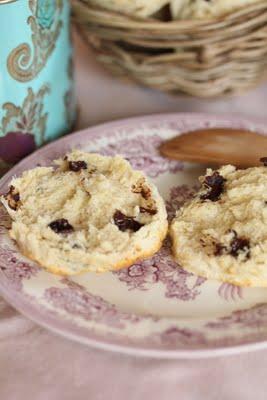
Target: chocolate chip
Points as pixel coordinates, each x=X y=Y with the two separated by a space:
x=215 y=185
x=150 y=211
x=13 y=198
x=61 y=225
x=16 y=197
x=77 y=166
x=125 y=223
x=239 y=245
x=264 y=161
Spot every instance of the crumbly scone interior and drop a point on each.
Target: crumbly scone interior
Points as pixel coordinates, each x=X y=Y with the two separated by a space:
x=222 y=233
x=87 y=199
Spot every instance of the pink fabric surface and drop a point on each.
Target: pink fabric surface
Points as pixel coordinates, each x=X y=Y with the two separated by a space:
x=36 y=364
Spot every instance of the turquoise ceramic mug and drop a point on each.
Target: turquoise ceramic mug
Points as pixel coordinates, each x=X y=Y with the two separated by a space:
x=37 y=101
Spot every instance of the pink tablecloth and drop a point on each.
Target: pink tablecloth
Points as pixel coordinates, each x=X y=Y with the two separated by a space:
x=37 y=365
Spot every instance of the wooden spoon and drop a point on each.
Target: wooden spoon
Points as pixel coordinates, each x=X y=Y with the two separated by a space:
x=217 y=146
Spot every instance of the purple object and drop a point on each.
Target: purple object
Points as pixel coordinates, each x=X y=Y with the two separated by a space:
x=16 y=145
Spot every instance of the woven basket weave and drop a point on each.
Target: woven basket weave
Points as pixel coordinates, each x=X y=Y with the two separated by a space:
x=226 y=55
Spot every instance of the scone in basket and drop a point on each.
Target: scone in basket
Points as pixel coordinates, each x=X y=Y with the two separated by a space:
x=204 y=58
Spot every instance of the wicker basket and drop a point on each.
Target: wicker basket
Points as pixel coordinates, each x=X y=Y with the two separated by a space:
x=226 y=55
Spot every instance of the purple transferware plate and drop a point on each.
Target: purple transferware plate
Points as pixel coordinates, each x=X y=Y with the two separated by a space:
x=154 y=308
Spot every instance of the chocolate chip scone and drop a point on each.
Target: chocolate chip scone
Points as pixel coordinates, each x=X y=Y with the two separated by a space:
x=197 y=9
x=143 y=8
x=91 y=213
x=222 y=233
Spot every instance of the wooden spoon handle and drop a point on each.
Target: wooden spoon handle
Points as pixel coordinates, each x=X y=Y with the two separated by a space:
x=217 y=146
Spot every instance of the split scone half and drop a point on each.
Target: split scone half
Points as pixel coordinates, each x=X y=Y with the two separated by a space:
x=222 y=233
x=91 y=213
x=206 y=9
x=143 y=8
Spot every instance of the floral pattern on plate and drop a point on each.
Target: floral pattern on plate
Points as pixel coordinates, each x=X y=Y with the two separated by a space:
x=152 y=308
x=76 y=300
x=162 y=268
x=143 y=154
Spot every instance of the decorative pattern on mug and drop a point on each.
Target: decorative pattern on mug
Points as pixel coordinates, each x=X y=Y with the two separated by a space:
x=25 y=62
x=23 y=128
x=70 y=98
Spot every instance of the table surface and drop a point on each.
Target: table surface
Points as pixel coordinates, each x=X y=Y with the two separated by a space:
x=36 y=364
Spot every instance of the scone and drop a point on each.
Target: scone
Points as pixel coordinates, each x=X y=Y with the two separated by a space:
x=222 y=233
x=197 y=9
x=91 y=213
x=143 y=8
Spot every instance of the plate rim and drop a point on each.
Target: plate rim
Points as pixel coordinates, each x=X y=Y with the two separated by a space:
x=52 y=323
x=30 y=312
